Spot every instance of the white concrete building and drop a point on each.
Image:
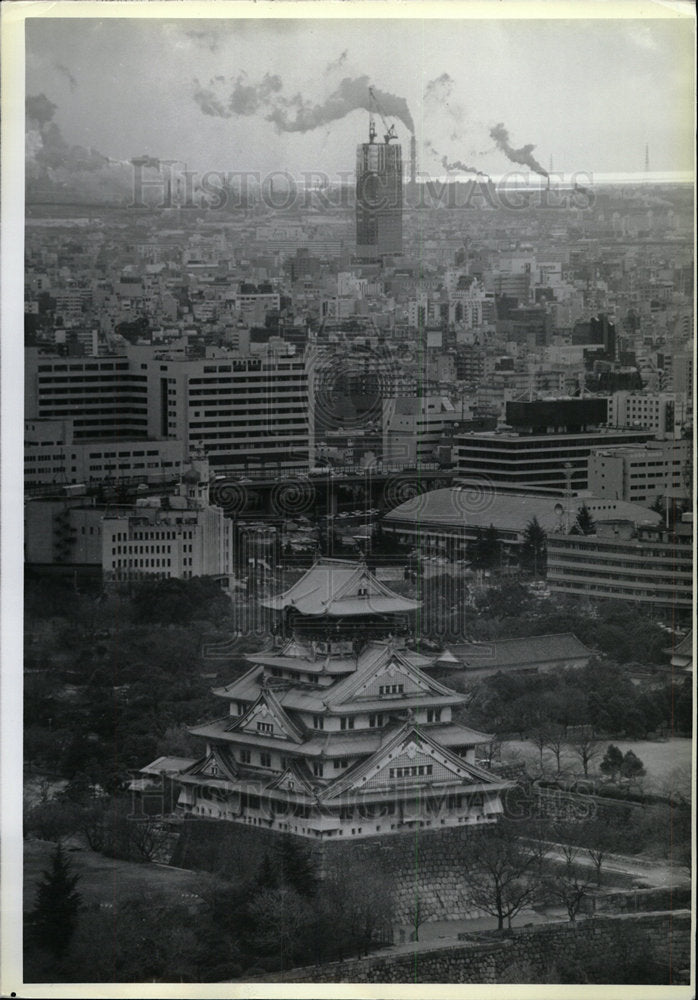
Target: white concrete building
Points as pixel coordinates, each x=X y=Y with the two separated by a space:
x=414 y=426
x=641 y=473
x=186 y=537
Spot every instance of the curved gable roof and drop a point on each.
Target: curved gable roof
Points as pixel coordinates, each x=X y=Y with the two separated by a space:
x=338 y=587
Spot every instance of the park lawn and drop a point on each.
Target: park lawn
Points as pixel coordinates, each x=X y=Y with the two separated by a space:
x=665 y=761
x=107 y=881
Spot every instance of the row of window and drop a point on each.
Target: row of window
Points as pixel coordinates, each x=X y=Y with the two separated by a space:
x=671 y=596
x=635 y=566
x=104 y=366
x=254 y=389
x=411 y=771
x=144 y=563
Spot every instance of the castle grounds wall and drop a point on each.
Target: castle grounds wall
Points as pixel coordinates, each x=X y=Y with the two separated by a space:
x=640 y=900
x=491 y=958
x=419 y=861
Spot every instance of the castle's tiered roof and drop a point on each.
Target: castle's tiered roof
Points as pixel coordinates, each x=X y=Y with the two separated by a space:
x=339 y=744
x=339 y=588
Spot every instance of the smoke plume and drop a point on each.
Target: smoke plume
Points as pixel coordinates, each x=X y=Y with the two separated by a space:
x=145 y=161
x=39 y=109
x=248 y=99
x=337 y=63
x=350 y=95
x=524 y=156
x=441 y=86
x=244 y=99
x=296 y=114
x=204 y=36
x=68 y=75
x=54 y=166
x=457 y=165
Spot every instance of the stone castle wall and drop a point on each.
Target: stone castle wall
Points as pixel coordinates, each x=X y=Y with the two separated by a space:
x=418 y=862
x=665 y=938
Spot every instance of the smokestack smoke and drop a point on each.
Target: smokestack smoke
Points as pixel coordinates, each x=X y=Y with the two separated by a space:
x=350 y=95
x=296 y=114
x=457 y=165
x=442 y=83
x=524 y=155
x=39 y=108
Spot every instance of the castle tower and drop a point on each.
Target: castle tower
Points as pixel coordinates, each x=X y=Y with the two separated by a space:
x=340 y=731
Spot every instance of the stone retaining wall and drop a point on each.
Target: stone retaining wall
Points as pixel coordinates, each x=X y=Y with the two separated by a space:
x=420 y=862
x=664 y=938
x=640 y=900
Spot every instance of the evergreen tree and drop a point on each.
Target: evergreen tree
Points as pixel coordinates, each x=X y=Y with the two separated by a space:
x=485 y=548
x=585 y=522
x=296 y=866
x=54 y=917
x=534 y=548
x=267 y=876
x=476 y=550
x=632 y=767
x=612 y=762
x=490 y=546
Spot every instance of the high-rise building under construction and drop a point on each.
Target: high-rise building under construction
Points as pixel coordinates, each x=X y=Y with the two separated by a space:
x=378 y=196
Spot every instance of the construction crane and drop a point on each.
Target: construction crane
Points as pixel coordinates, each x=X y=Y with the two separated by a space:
x=390 y=132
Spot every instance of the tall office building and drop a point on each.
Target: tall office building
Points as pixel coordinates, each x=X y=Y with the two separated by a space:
x=245 y=409
x=378 y=198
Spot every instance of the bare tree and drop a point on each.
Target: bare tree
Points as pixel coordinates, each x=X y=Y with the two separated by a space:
x=502 y=872
x=555 y=742
x=598 y=856
x=419 y=912
x=585 y=746
x=492 y=751
x=539 y=738
x=569 y=888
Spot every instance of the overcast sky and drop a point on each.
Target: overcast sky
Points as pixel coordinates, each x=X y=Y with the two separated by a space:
x=240 y=94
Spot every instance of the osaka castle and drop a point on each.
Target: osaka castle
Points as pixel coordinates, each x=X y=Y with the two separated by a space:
x=338 y=730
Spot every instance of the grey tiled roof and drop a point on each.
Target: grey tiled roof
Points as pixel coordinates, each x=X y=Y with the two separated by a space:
x=532 y=650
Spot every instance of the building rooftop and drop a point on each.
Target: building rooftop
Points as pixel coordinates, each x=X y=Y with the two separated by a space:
x=510 y=434
x=462 y=506
x=479 y=507
x=339 y=743
x=512 y=653
x=685 y=647
x=167 y=765
x=340 y=588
